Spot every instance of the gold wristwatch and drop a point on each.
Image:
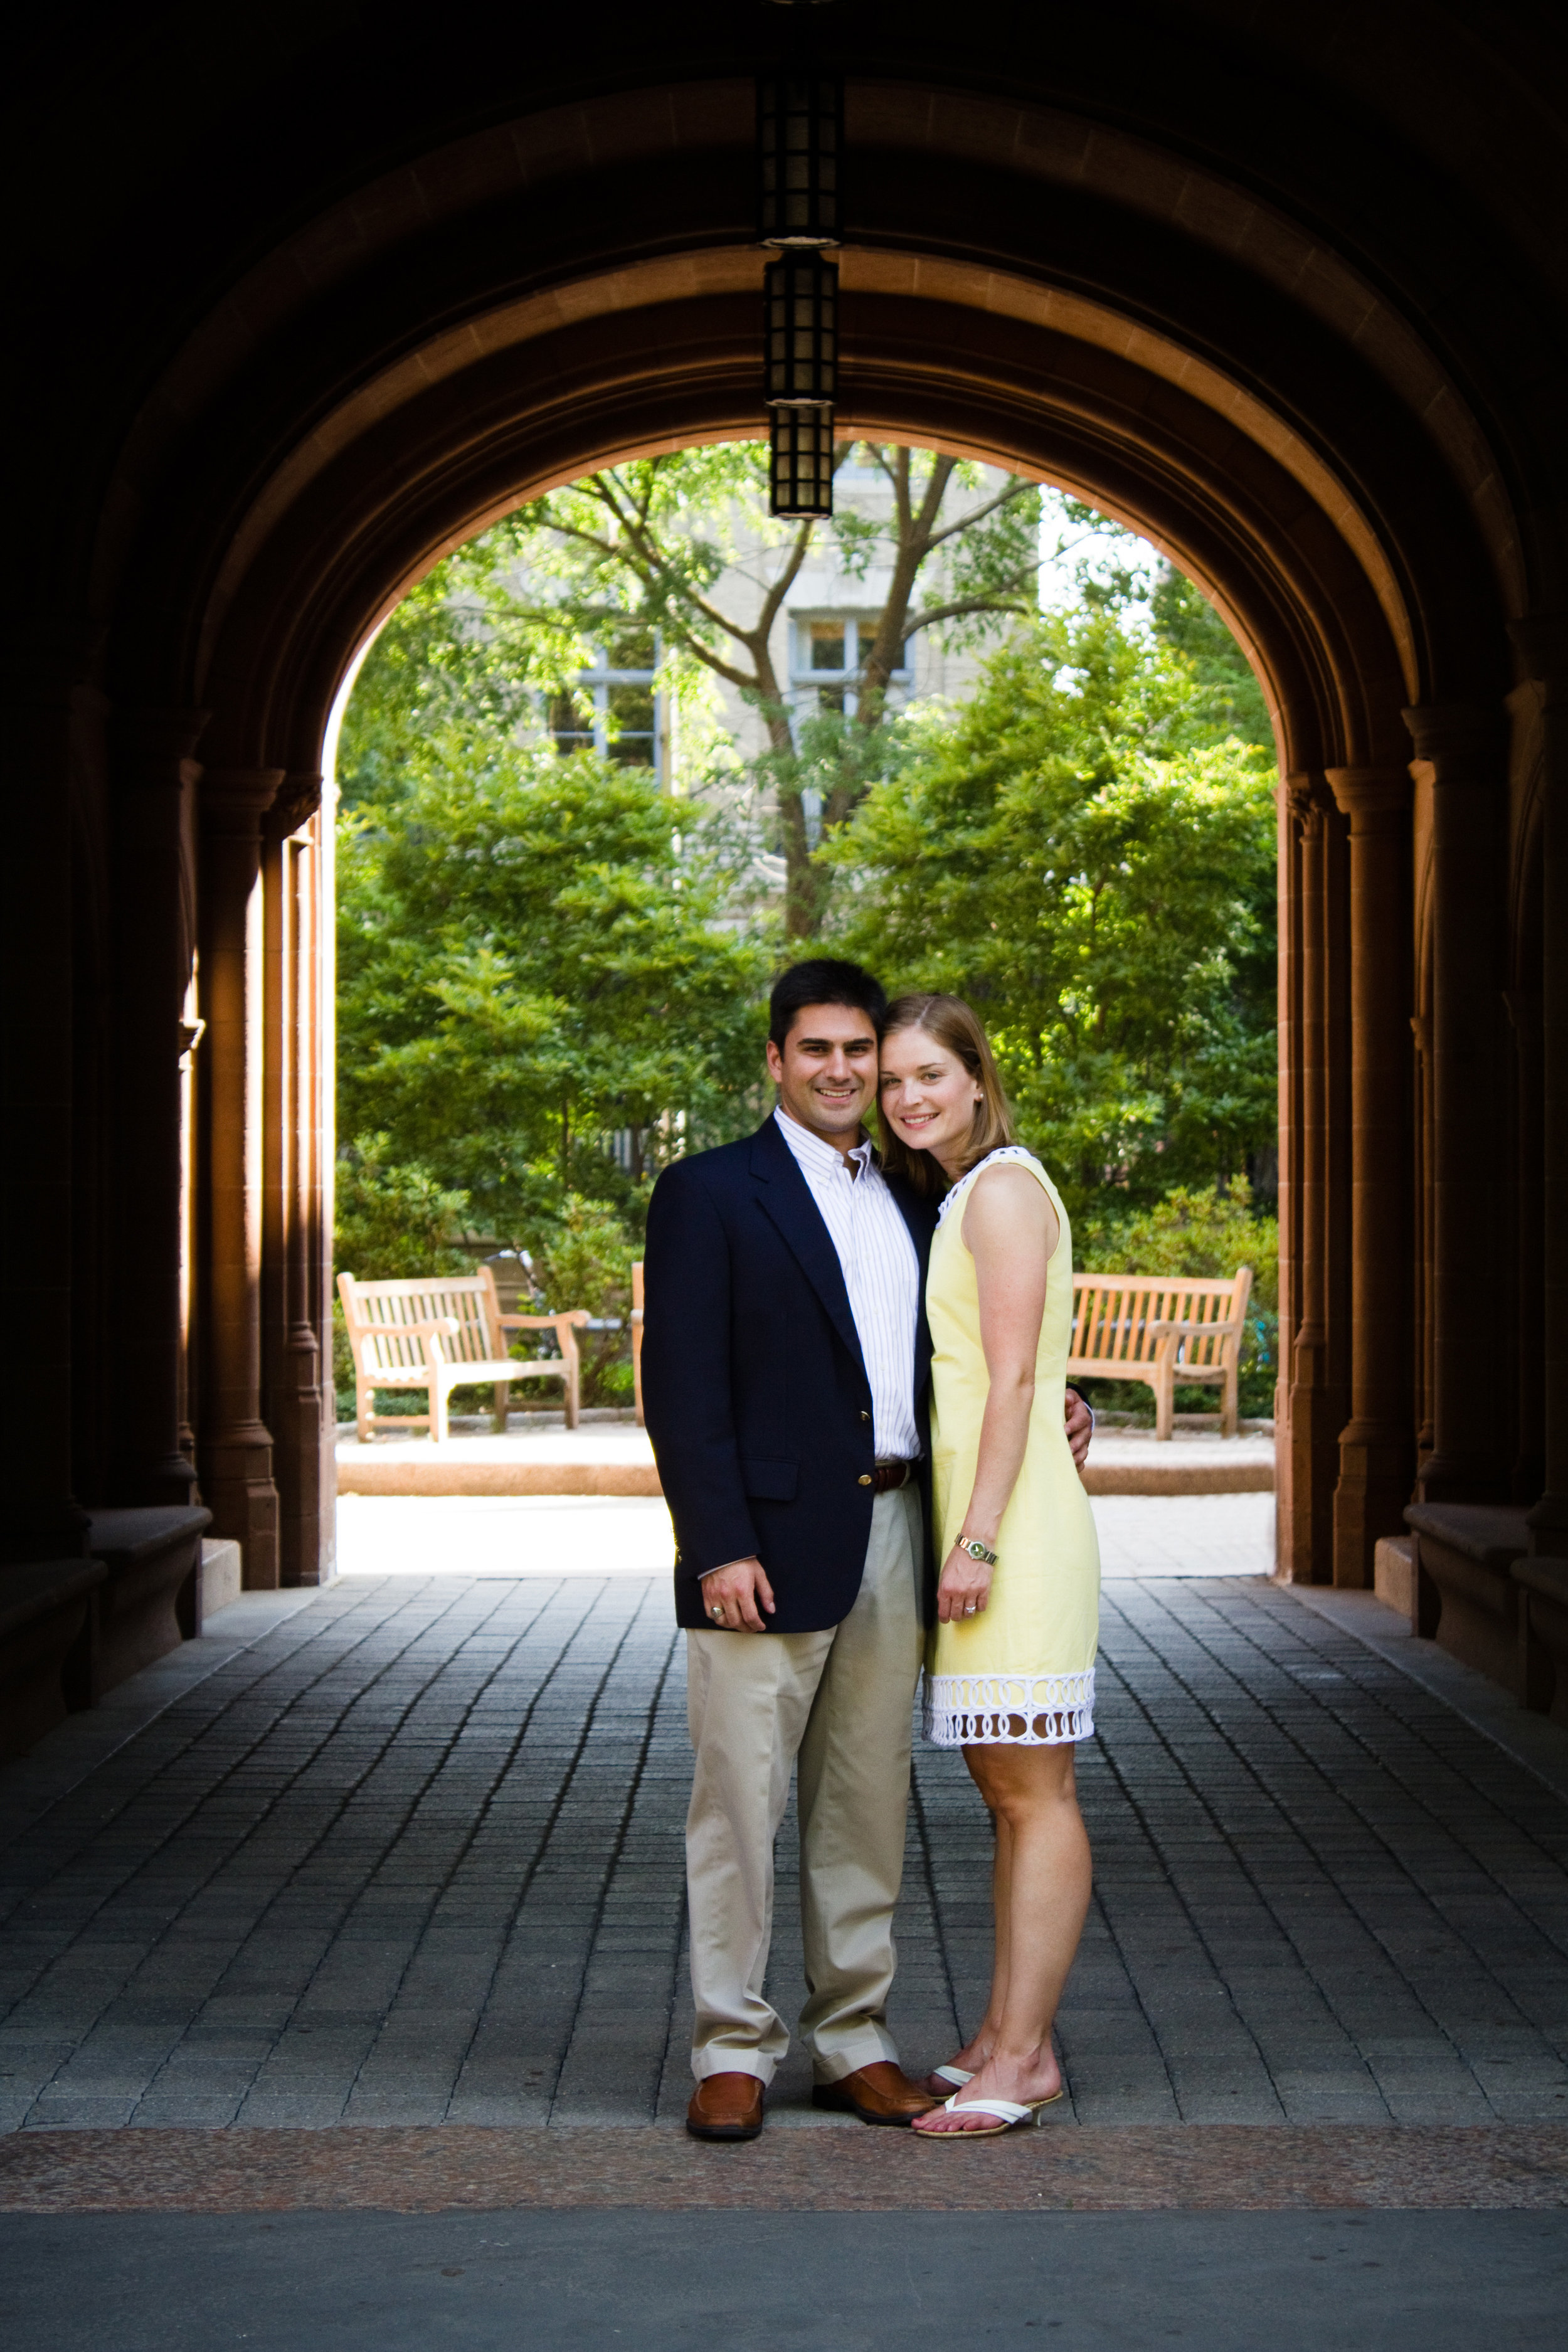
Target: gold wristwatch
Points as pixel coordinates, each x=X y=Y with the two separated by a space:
x=976 y=1549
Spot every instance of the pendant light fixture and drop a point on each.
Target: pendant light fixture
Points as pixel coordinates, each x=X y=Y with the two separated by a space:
x=800 y=113
x=800 y=468
x=800 y=297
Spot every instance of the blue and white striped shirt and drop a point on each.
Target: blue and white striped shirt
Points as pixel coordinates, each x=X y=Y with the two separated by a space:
x=881 y=1274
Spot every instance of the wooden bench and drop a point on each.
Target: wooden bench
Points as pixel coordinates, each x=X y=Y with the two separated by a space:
x=1160 y=1328
x=444 y=1331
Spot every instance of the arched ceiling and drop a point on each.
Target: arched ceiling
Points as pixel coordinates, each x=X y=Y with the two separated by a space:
x=563 y=288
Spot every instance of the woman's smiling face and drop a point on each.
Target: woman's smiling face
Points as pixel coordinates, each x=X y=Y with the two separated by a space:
x=928 y=1096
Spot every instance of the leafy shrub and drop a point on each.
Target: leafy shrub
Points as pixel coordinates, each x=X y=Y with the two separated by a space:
x=584 y=1259
x=394 y=1219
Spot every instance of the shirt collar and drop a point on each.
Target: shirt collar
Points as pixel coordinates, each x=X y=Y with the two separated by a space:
x=812 y=1152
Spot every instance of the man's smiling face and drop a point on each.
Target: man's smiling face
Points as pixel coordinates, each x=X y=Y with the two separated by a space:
x=826 y=1073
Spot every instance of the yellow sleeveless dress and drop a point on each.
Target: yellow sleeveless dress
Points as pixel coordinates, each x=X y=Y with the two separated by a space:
x=1021 y=1671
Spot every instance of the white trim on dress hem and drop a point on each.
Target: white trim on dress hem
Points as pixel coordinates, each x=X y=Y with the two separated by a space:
x=979 y=1710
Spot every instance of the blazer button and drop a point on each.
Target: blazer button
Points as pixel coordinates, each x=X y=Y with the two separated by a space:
x=866 y=1479
x=865 y=1416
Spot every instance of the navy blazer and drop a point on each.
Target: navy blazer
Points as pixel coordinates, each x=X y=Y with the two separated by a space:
x=754 y=1389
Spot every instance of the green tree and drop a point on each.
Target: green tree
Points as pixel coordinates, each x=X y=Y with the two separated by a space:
x=1228 y=699
x=1069 y=854
x=650 y=541
x=530 y=962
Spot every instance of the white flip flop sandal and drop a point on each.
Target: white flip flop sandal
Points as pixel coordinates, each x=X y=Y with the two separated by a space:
x=1008 y=2113
x=953 y=2074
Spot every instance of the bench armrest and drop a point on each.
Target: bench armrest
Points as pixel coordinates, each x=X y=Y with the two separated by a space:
x=565 y=1325
x=1168 y=1335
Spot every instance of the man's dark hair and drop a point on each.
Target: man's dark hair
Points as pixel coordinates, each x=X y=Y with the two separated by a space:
x=824 y=980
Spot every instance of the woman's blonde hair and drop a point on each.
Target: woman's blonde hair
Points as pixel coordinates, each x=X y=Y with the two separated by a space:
x=954 y=1025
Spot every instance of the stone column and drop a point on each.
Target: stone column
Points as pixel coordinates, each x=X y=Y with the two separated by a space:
x=1458 y=757
x=155 y=777
x=1377 y=1456
x=297 y=1328
x=40 y=1518
x=235 y=1446
x=1290 y=1121
x=1317 y=1401
x=1541 y=641
x=1529 y=1470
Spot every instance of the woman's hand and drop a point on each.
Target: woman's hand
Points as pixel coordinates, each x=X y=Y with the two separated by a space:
x=964 y=1588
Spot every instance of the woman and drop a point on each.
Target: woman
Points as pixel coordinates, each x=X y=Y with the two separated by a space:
x=1010 y=1663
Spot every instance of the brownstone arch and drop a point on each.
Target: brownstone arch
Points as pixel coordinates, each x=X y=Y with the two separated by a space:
x=1076 y=268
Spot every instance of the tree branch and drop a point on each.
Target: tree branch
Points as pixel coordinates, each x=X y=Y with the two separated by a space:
x=978 y=514
x=962 y=610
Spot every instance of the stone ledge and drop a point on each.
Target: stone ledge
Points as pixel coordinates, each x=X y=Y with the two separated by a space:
x=48 y=1622
x=1394 y=1572
x=222 y=1575
x=1465 y=1599
x=428 y=1474
x=1544 y=1634
x=150 y=1601
x=1491 y=1534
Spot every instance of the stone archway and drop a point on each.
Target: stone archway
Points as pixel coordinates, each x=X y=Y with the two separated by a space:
x=1024 y=280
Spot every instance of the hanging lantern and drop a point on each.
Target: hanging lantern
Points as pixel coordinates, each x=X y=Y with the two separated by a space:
x=800 y=470
x=799 y=116
x=800 y=303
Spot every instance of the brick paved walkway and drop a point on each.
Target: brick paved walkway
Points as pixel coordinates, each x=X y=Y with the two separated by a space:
x=415 y=1856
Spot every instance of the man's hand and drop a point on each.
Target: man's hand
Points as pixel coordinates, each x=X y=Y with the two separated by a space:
x=736 y=1592
x=1081 y=1427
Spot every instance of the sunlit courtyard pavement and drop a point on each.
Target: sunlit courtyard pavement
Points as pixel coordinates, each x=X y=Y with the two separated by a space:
x=409 y=1853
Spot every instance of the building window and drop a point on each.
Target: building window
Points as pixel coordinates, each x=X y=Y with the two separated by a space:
x=827 y=643
x=826 y=657
x=615 y=707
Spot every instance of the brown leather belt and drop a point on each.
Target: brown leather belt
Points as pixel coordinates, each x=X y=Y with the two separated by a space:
x=890 y=1476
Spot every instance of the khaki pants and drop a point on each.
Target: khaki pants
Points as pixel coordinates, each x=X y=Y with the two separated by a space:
x=840 y=1700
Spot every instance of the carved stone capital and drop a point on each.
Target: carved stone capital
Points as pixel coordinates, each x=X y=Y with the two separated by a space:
x=1540 y=641
x=235 y=800
x=1374 y=799
x=298 y=798
x=1457 y=742
x=1308 y=798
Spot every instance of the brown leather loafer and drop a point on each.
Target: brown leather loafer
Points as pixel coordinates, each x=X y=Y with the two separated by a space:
x=726 y=2107
x=882 y=2093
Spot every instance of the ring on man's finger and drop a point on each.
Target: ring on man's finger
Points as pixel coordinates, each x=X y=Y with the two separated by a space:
x=717 y=1614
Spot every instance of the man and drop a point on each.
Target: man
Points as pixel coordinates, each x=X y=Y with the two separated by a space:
x=785 y=1365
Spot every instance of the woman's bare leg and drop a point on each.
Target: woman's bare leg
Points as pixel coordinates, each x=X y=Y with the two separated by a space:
x=1039 y=1922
